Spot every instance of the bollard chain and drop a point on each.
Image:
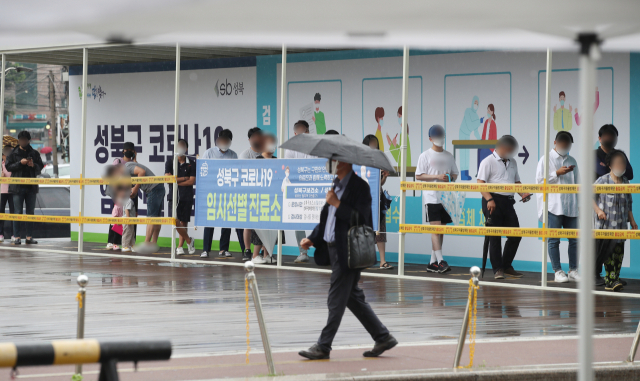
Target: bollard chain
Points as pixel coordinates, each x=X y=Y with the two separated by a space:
x=473 y=314
x=246 y=301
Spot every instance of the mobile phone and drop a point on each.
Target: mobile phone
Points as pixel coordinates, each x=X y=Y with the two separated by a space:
x=572 y=166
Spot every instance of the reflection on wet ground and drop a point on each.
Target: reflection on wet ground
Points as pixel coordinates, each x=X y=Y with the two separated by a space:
x=201 y=308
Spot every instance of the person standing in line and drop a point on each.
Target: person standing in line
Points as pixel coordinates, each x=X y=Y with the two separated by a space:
x=608 y=138
x=5 y=197
x=613 y=211
x=221 y=150
x=300 y=127
x=24 y=162
x=256 y=142
x=436 y=165
x=185 y=179
x=501 y=168
x=350 y=194
x=155 y=198
x=128 y=232
x=381 y=238
x=114 y=240
x=131 y=148
x=563 y=207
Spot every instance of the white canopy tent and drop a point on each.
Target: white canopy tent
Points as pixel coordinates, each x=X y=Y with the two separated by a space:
x=143 y=31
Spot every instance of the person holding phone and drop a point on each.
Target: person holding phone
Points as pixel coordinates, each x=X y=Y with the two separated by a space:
x=563 y=207
x=501 y=168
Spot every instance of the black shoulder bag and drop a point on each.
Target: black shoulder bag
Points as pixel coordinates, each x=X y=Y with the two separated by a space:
x=361 y=241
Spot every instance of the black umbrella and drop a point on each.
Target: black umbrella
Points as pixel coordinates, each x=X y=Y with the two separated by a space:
x=339 y=147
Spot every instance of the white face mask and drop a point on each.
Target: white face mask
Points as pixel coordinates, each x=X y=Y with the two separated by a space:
x=224 y=147
x=618 y=173
x=438 y=142
x=122 y=202
x=271 y=148
x=331 y=166
x=475 y=106
x=510 y=155
x=181 y=151
x=563 y=151
x=317 y=107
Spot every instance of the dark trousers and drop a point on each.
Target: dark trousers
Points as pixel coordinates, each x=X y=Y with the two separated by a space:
x=345 y=293
x=114 y=237
x=225 y=238
x=6 y=198
x=27 y=199
x=504 y=215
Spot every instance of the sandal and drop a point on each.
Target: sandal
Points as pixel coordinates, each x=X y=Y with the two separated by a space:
x=386 y=266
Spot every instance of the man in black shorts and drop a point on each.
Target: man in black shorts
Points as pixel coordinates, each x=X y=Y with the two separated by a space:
x=186 y=179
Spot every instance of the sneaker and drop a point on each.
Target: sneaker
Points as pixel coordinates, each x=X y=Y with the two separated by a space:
x=599 y=281
x=179 y=251
x=133 y=251
x=443 y=267
x=258 y=260
x=204 y=255
x=221 y=254
x=227 y=254
x=512 y=272
x=433 y=267
x=302 y=258
x=192 y=246
x=13 y=239
x=574 y=276
x=17 y=241
x=246 y=256
x=616 y=286
x=109 y=246
x=1 y=238
x=31 y=241
x=126 y=249
x=561 y=277
x=115 y=247
x=499 y=274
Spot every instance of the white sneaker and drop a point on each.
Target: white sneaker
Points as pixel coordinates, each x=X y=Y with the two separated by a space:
x=126 y=249
x=258 y=260
x=192 y=246
x=115 y=247
x=561 y=277
x=179 y=251
x=574 y=276
x=204 y=255
x=108 y=247
x=13 y=239
x=1 y=238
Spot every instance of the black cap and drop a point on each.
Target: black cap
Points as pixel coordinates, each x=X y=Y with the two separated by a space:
x=564 y=135
x=184 y=141
x=24 y=134
x=128 y=145
x=608 y=129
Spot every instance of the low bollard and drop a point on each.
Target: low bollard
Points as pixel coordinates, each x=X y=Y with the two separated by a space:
x=81 y=298
x=634 y=346
x=473 y=287
x=251 y=277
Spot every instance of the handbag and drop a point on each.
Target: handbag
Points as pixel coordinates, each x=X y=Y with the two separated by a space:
x=361 y=242
x=117 y=228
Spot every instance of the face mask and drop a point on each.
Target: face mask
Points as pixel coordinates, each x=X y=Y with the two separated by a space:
x=317 y=107
x=331 y=166
x=400 y=120
x=381 y=122
x=618 y=173
x=563 y=151
x=609 y=144
x=181 y=151
x=271 y=148
x=561 y=103
x=488 y=116
x=224 y=147
x=438 y=142
x=475 y=106
x=129 y=154
x=255 y=145
x=510 y=155
x=122 y=201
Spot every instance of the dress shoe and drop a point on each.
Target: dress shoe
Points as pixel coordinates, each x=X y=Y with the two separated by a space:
x=512 y=272
x=599 y=281
x=381 y=347
x=314 y=353
x=499 y=274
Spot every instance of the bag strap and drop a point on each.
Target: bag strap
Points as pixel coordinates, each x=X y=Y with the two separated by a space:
x=355 y=215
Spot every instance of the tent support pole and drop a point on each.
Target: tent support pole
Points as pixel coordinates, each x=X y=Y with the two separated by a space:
x=403 y=155
x=547 y=132
x=282 y=129
x=83 y=143
x=176 y=129
x=4 y=63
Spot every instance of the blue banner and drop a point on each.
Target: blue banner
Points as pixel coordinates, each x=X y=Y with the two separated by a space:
x=286 y=194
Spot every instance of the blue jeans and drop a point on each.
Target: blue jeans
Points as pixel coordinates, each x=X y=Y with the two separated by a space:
x=558 y=222
x=21 y=199
x=155 y=198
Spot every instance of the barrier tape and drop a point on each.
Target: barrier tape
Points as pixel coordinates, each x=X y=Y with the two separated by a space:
x=85 y=181
x=79 y=299
x=517 y=232
x=89 y=220
x=518 y=188
x=473 y=315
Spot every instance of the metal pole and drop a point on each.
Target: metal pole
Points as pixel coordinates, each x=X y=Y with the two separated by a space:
x=403 y=154
x=2 y=97
x=634 y=346
x=589 y=54
x=283 y=128
x=547 y=133
x=174 y=195
x=475 y=272
x=53 y=122
x=251 y=276
x=83 y=142
x=82 y=304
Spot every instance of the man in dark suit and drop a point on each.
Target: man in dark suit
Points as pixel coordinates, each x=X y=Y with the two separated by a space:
x=329 y=237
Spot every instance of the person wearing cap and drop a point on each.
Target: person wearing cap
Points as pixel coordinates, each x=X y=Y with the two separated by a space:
x=23 y=162
x=436 y=165
x=186 y=178
x=501 y=168
x=563 y=207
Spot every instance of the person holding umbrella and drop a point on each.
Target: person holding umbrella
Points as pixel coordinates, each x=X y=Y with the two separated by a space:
x=350 y=196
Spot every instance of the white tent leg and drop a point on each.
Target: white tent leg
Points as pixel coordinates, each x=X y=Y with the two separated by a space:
x=83 y=143
x=174 y=194
x=403 y=155
x=547 y=133
x=589 y=54
x=2 y=96
x=281 y=130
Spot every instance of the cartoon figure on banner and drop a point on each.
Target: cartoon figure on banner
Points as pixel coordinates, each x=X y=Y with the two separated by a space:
x=379 y=115
x=318 y=116
x=394 y=145
x=470 y=123
x=285 y=181
x=363 y=174
x=561 y=116
x=490 y=132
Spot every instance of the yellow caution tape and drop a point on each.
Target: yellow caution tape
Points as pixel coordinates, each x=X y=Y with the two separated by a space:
x=79 y=299
x=89 y=220
x=517 y=232
x=517 y=188
x=94 y=181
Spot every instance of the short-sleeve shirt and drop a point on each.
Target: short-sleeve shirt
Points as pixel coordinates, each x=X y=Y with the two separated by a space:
x=215 y=153
x=131 y=207
x=493 y=170
x=615 y=205
x=249 y=154
x=131 y=166
x=289 y=154
x=186 y=169
x=431 y=162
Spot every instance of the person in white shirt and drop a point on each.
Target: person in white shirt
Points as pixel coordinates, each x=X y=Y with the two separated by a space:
x=436 y=165
x=256 y=141
x=300 y=127
x=501 y=168
x=563 y=207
